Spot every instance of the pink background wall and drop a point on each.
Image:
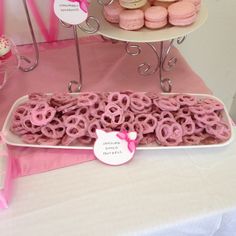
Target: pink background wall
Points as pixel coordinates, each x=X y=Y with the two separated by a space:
x=216 y=67
x=14 y=24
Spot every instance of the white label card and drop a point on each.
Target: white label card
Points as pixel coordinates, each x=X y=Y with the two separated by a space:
x=115 y=148
x=72 y=12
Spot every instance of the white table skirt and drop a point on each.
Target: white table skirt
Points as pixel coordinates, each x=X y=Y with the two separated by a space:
x=175 y=192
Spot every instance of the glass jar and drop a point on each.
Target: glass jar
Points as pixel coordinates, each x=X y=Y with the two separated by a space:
x=9 y=59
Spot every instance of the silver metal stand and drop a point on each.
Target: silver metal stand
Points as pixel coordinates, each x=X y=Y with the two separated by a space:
x=90 y=26
x=31 y=64
x=161 y=52
x=163 y=64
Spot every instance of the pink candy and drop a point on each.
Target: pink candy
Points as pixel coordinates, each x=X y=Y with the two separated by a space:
x=42 y=114
x=65 y=119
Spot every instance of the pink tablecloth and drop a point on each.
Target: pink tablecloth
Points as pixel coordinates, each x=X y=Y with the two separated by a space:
x=106 y=67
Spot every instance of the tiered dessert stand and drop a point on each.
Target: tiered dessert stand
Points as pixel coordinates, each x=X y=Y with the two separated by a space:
x=159 y=41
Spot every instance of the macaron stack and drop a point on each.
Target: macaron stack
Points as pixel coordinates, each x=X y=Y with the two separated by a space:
x=182 y=13
x=155 y=17
x=152 y=14
x=131 y=19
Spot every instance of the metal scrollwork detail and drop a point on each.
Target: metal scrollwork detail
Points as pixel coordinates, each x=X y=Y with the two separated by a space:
x=165 y=63
x=90 y=26
x=30 y=65
x=171 y=63
x=144 y=68
x=180 y=40
x=166 y=85
x=133 y=49
x=72 y=84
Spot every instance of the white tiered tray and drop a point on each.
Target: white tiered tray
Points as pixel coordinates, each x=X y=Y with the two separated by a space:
x=143 y=35
x=14 y=140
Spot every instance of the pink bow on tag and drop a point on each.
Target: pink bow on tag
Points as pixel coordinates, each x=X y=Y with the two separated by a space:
x=83 y=4
x=131 y=143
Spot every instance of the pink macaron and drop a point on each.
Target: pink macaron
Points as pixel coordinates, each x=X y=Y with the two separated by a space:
x=155 y=17
x=162 y=4
x=112 y=12
x=132 y=4
x=197 y=4
x=132 y=19
x=182 y=13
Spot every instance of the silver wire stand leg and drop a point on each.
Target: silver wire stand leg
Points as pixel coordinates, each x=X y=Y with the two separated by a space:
x=77 y=83
x=90 y=26
x=165 y=83
x=34 y=64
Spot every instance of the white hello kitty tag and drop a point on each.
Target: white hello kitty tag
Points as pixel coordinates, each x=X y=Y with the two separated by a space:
x=115 y=148
x=72 y=12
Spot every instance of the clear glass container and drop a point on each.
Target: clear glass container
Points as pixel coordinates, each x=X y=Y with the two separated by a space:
x=9 y=65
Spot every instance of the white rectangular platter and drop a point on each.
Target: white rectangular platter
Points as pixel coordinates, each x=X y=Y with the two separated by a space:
x=12 y=139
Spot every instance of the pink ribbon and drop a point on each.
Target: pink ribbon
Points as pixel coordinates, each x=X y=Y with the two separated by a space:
x=83 y=4
x=131 y=143
x=51 y=34
x=2 y=17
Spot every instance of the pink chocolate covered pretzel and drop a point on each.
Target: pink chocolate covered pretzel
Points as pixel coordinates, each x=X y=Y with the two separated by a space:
x=48 y=141
x=187 y=124
x=122 y=100
x=192 y=139
x=167 y=104
x=220 y=130
x=76 y=126
x=186 y=100
x=37 y=97
x=139 y=101
x=27 y=125
x=92 y=127
x=42 y=114
x=73 y=119
x=169 y=132
x=30 y=138
x=217 y=106
x=87 y=99
x=207 y=119
x=113 y=116
x=55 y=129
x=148 y=122
x=61 y=98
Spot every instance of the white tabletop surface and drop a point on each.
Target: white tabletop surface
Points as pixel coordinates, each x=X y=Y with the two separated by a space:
x=157 y=193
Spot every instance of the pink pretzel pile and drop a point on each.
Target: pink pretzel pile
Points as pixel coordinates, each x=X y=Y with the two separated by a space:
x=65 y=119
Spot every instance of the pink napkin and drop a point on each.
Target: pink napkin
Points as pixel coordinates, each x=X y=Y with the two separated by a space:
x=28 y=161
x=106 y=67
x=6 y=176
